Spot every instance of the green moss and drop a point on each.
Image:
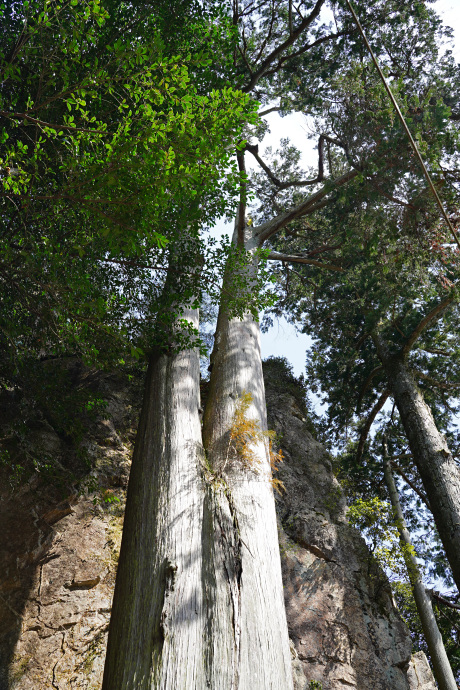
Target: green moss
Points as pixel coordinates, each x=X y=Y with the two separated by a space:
x=18 y=668
x=333 y=499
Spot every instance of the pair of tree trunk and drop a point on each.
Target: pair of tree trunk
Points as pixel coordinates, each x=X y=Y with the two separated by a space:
x=438 y=470
x=199 y=599
x=442 y=669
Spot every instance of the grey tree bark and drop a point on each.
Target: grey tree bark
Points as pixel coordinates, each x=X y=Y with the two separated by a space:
x=198 y=599
x=441 y=666
x=247 y=618
x=157 y=629
x=438 y=470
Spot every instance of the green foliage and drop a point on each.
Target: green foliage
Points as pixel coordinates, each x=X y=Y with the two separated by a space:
x=48 y=401
x=244 y=435
x=374 y=518
x=448 y=621
x=105 y=160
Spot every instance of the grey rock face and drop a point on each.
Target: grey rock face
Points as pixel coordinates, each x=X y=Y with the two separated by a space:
x=342 y=622
x=58 y=557
x=58 y=560
x=419 y=674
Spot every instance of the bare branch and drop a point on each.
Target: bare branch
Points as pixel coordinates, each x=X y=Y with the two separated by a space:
x=312 y=203
x=275 y=109
x=369 y=422
x=254 y=149
x=293 y=258
x=434 y=314
x=438 y=597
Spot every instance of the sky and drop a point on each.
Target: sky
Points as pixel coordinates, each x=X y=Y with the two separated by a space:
x=282 y=340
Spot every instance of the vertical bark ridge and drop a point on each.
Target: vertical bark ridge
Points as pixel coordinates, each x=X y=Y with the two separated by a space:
x=156 y=633
x=243 y=514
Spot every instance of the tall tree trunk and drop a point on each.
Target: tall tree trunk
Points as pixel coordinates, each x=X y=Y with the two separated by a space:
x=441 y=666
x=157 y=635
x=438 y=469
x=246 y=618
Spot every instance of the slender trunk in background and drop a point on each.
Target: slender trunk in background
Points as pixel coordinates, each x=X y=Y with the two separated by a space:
x=438 y=470
x=246 y=617
x=441 y=666
x=156 y=637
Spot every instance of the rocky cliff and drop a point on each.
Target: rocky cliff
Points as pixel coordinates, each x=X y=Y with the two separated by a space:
x=344 y=628
x=59 y=545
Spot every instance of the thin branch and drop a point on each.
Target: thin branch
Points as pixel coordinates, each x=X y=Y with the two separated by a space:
x=435 y=382
x=433 y=314
x=410 y=483
x=243 y=55
x=275 y=109
x=455 y=627
x=265 y=66
x=361 y=340
x=436 y=351
x=24 y=116
x=268 y=35
x=312 y=203
x=390 y=197
x=293 y=258
x=366 y=385
x=369 y=422
x=308 y=46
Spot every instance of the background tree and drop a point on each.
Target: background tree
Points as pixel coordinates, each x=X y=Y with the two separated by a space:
x=286 y=55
